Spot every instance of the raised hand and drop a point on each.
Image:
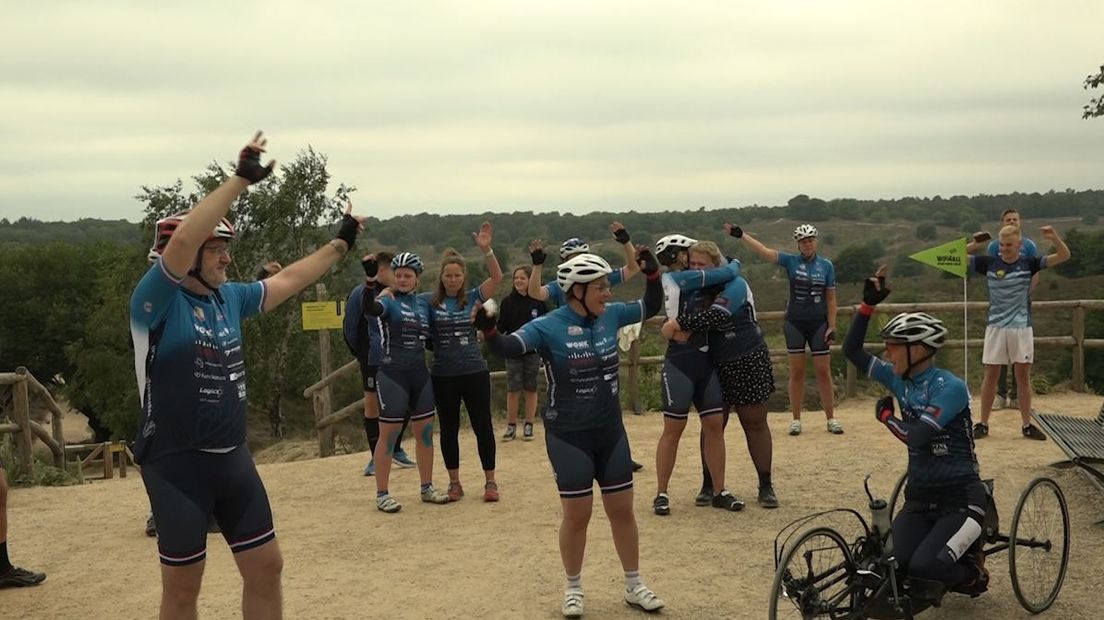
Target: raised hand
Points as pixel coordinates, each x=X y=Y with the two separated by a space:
x=647 y=261
x=733 y=231
x=249 y=160
x=875 y=289
x=1048 y=232
x=481 y=319
x=883 y=409
x=536 y=252
x=484 y=236
x=619 y=232
x=370 y=266
x=350 y=226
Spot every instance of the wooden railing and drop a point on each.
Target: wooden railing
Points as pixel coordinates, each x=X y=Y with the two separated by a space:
x=23 y=428
x=632 y=361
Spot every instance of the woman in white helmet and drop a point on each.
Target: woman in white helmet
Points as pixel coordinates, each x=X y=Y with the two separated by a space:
x=810 y=316
x=584 y=435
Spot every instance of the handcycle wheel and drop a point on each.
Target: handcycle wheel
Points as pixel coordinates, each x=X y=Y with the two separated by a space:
x=897 y=499
x=1038 y=551
x=813 y=578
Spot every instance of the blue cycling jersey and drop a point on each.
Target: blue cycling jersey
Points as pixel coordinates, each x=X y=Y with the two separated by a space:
x=1009 y=287
x=406 y=324
x=740 y=333
x=557 y=297
x=1028 y=248
x=939 y=399
x=581 y=363
x=681 y=294
x=363 y=333
x=190 y=363
x=456 y=349
x=810 y=280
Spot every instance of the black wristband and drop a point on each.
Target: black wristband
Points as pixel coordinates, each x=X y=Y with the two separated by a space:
x=736 y=231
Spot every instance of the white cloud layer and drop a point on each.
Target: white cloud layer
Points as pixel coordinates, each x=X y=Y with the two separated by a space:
x=517 y=105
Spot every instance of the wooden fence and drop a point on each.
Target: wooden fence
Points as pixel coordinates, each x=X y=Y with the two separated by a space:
x=632 y=361
x=23 y=428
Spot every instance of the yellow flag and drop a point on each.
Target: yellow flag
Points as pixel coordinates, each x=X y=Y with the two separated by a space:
x=950 y=257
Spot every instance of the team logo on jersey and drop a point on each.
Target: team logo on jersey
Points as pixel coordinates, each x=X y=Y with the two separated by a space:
x=148 y=307
x=574 y=330
x=999 y=273
x=533 y=313
x=198 y=312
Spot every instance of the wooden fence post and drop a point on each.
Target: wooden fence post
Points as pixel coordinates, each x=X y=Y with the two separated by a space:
x=322 y=398
x=1079 y=349
x=21 y=411
x=634 y=377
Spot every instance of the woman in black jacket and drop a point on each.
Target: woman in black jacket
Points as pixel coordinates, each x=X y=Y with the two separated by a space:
x=518 y=308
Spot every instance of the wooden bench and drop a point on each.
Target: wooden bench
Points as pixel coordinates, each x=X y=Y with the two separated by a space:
x=108 y=451
x=1082 y=439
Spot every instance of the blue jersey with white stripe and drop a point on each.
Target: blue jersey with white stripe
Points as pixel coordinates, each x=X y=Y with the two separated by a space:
x=557 y=297
x=405 y=326
x=1009 y=287
x=581 y=363
x=741 y=334
x=810 y=281
x=190 y=363
x=940 y=400
x=681 y=293
x=456 y=349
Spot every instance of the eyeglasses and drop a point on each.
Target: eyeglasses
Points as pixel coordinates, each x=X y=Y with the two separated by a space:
x=222 y=250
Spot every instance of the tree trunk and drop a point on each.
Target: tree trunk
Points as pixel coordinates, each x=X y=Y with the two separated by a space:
x=276 y=411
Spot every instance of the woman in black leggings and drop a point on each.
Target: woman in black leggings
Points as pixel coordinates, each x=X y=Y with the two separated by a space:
x=459 y=370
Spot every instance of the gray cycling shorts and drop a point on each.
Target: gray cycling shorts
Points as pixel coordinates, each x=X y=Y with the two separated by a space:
x=521 y=373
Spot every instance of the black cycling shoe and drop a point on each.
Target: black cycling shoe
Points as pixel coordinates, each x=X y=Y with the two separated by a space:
x=21 y=578
x=704 y=497
x=767 y=498
x=727 y=501
x=1032 y=432
x=981 y=430
x=661 y=505
x=637 y=466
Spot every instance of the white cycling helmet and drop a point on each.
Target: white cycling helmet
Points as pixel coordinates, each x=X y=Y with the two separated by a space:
x=804 y=232
x=573 y=246
x=409 y=260
x=915 y=327
x=582 y=269
x=668 y=247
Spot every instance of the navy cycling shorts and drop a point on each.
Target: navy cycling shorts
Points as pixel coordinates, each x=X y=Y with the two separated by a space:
x=801 y=333
x=690 y=380
x=405 y=394
x=579 y=458
x=186 y=488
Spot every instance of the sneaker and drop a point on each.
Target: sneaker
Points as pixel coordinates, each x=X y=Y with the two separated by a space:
x=151 y=527
x=795 y=427
x=835 y=427
x=388 y=504
x=370 y=468
x=704 y=497
x=637 y=466
x=21 y=578
x=433 y=496
x=981 y=429
x=643 y=598
x=527 y=432
x=573 y=604
x=490 y=492
x=1032 y=432
x=661 y=505
x=511 y=432
x=767 y=498
x=727 y=501
x=455 y=491
x=402 y=460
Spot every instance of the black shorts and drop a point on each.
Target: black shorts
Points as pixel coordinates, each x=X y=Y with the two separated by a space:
x=579 y=458
x=748 y=379
x=186 y=488
x=690 y=380
x=405 y=394
x=800 y=333
x=521 y=373
x=368 y=375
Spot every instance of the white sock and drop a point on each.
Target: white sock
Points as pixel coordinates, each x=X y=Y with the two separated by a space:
x=575 y=582
x=632 y=579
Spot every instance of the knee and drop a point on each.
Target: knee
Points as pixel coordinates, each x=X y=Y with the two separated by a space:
x=577 y=519
x=181 y=592
x=266 y=571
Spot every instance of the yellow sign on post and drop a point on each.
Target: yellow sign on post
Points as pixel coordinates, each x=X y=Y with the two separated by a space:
x=323 y=315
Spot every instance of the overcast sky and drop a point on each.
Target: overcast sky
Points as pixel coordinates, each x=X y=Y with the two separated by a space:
x=500 y=105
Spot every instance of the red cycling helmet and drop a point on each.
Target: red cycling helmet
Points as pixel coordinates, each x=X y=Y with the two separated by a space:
x=167 y=226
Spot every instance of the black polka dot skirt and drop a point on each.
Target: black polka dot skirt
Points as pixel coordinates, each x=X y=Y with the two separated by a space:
x=747 y=380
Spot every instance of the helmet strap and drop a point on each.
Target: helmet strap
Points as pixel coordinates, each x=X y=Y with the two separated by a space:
x=199 y=278
x=911 y=364
x=590 y=316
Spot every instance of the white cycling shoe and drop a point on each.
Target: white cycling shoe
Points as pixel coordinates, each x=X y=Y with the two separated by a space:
x=643 y=598
x=573 y=604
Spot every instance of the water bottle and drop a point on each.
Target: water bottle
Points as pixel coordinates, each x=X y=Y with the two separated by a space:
x=879 y=509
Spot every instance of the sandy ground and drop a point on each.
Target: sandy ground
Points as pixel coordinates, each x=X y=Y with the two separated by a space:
x=343 y=559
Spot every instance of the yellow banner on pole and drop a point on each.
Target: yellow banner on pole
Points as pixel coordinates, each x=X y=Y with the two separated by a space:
x=323 y=315
x=950 y=257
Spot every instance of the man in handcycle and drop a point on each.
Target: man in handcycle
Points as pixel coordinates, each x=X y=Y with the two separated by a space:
x=937 y=533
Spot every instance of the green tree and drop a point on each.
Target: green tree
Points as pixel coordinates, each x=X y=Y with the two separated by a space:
x=926 y=232
x=1095 y=106
x=855 y=263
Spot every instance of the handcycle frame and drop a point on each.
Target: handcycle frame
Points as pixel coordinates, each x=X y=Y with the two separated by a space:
x=867 y=582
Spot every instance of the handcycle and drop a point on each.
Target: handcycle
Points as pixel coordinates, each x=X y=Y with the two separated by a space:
x=818 y=574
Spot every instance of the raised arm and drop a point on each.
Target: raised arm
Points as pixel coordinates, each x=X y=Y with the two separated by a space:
x=768 y=254
x=979 y=242
x=494 y=270
x=305 y=271
x=622 y=237
x=180 y=253
x=536 y=253
x=1063 y=252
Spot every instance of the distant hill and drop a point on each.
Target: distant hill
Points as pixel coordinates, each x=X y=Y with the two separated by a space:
x=88 y=230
